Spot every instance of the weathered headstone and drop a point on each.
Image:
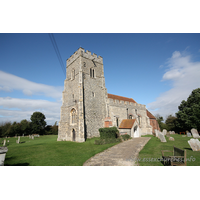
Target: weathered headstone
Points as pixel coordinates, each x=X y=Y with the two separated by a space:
x=168 y=134
x=18 y=141
x=4 y=143
x=164 y=131
x=156 y=132
x=32 y=137
x=195 y=133
x=161 y=137
x=172 y=132
x=3 y=151
x=189 y=134
x=194 y=144
x=171 y=139
x=23 y=135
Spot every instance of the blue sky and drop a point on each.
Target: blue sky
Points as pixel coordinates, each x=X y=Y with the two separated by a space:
x=158 y=70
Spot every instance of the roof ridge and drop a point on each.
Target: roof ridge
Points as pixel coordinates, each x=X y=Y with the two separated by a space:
x=113 y=95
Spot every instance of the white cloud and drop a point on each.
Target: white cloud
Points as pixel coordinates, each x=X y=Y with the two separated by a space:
x=14 y=109
x=184 y=75
x=10 y=82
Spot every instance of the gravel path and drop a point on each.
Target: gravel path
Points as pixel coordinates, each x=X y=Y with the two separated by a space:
x=122 y=154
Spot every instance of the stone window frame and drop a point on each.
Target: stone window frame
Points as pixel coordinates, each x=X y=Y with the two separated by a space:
x=92 y=73
x=139 y=119
x=130 y=116
x=73 y=116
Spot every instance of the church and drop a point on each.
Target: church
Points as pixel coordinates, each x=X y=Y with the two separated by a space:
x=86 y=105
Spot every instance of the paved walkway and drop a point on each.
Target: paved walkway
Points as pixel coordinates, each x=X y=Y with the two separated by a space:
x=122 y=154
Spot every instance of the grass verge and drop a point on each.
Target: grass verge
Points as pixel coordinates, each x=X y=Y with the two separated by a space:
x=46 y=151
x=151 y=153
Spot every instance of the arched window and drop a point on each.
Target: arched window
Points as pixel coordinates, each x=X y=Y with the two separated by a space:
x=117 y=121
x=139 y=119
x=73 y=115
x=130 y=116
x=91 y=73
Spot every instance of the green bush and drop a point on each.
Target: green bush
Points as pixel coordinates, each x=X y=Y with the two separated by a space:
x=111 y=132
x=107 y=141
x=126 y=137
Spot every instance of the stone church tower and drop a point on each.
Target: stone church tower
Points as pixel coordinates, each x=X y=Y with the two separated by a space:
x=84 y=98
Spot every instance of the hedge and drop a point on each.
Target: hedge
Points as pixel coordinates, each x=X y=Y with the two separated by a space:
x=107 y=141
x=111 y=132
x=126 y=137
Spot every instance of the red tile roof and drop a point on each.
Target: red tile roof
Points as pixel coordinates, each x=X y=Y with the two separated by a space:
x=127 y=123
x=120 y=98
x=150 y=115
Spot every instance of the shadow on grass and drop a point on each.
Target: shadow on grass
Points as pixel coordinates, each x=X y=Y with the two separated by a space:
x=18 y=164
x=14 y=164
x=188 y=149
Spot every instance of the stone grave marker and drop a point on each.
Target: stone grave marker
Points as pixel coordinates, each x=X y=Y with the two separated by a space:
x=4 y=143
x=168 y=134
x=3 y=151
x=156 y=132
x=18 y=141
x=189 y=134
x=172 y=132
x=194 y=144
x=195 y=133
x=161 y=137
x=164 y=131
x=171 y=139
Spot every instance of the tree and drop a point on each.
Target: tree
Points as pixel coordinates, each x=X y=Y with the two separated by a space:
x=25 y=127
x=38 y=122
x=160 y=122
x=188 y=116
x=171 y=123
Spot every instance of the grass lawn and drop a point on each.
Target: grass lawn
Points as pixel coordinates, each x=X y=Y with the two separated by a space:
x=46 y=151
x=151 y=152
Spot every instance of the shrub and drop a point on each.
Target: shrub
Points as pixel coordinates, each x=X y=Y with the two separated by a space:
x=111 y=132
x=126 y=137
x=107 y=141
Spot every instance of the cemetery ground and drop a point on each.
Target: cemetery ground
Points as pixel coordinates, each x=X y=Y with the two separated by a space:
x=46 y=151
x=151 y=155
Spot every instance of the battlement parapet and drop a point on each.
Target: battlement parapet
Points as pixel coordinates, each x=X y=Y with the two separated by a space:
x=121 y=103
x=85 y=54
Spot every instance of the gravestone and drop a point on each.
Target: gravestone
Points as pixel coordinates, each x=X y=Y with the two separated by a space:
x=161 y=137
x=164 y=131
x=18 y=141
x=3 y=151
x=4 y=143
x=171 y=139
x=156 y=132
x=168 y=134
x=33 y=137
x=189 y=134
x=195 y=133
x=23 y=135
x=172 y=132
x=194 y=144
